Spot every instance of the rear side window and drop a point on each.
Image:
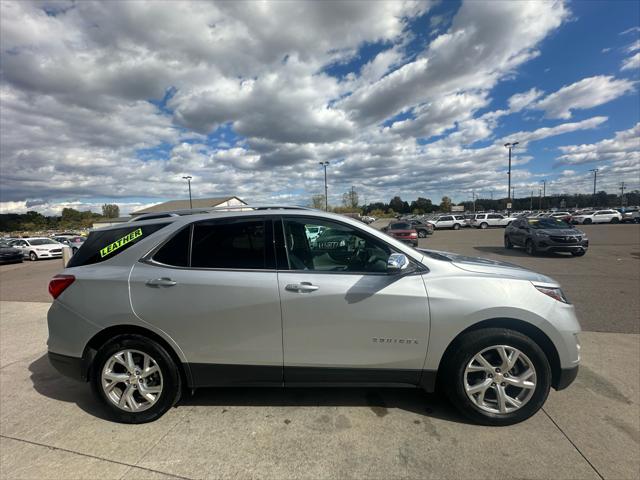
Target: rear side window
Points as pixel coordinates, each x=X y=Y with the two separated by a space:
x=176 y=251
x=239 y=244
x=102 y=245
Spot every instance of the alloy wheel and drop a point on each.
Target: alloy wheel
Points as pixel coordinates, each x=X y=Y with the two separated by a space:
x=132 y=380
x=500 y=379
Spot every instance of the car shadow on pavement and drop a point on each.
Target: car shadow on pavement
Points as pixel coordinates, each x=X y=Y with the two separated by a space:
x=378 y=400
x=48 y=382
x=520 y=252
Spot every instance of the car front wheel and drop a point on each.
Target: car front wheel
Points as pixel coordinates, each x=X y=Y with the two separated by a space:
x=497 y=376
x=135 y=378
x=483 y=225
x=456 y=226
x=507 y=242
x=530 y=248
x=615 y=220
x=422 y=233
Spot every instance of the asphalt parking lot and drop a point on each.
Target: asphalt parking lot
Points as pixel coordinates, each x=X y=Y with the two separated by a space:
x=50 y=427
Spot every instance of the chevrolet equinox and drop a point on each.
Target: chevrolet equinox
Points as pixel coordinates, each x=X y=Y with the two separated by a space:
x=147 y=309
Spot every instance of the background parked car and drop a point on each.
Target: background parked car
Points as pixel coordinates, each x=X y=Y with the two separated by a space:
x=484 y=220
x=598 y=216
x=422 y=228
x=9 y=254
x=546 y=234
x=38 y=247
x=564 y=216
x=404 y=232
x=630 y=215
x=75 y=241
x=449 y=221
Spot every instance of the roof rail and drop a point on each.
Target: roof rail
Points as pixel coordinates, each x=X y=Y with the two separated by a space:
x=197 y=211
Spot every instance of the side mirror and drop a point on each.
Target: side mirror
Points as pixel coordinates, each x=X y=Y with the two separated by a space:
x=397 y=262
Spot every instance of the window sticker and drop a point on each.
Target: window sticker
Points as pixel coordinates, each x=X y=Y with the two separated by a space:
x=128 y=238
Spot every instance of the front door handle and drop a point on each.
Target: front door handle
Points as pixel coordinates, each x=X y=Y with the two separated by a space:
x=161 y=282
x=302 y=287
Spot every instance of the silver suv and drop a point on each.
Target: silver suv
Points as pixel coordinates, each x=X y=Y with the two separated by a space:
x=148 y=309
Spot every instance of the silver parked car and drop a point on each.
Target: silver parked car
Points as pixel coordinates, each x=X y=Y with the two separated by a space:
x=245 y=298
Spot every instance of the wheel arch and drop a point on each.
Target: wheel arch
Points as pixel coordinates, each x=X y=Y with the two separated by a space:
x=103 y=336
x=533 y=332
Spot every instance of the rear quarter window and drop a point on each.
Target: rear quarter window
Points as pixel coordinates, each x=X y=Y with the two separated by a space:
x=101 y=245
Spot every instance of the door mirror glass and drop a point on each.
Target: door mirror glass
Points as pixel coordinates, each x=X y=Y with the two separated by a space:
x=397 y=262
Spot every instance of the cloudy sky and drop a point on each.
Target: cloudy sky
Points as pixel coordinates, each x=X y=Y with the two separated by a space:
x=116 y=101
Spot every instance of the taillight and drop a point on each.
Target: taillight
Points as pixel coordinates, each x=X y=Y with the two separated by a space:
x=59 y=284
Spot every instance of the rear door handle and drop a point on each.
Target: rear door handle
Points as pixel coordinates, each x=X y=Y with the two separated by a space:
x=161 y=282
x=302 y=287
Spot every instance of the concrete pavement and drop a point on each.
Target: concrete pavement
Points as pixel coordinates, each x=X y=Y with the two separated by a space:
x=51 y=427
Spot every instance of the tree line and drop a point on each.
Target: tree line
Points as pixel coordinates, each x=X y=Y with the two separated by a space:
x=422 y=205
x=70 y=219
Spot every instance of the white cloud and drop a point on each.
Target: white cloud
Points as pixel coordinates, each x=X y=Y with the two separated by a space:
x=522 y=100
x=631 y=63
x=623 y=149
x=587 y=93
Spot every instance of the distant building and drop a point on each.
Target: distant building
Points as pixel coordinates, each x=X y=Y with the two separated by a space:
x=197 y=203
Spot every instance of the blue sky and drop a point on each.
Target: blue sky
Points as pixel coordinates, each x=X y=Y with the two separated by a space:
x=116 y=101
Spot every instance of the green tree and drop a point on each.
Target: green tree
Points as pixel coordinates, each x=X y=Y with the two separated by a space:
x=398 y=205
x=317 y=201
x=445 y=205
x=350 y=198
x=421 y=205
x=110 y=210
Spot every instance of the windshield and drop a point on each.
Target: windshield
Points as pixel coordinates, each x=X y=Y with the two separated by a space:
x=42 y=241
x=548 y=223
x=400 y=226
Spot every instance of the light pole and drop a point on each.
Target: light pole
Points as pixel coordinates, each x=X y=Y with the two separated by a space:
x=595 y=176
x=509 y=146
x=326 y=190
x=544 y=189
x=188 y=179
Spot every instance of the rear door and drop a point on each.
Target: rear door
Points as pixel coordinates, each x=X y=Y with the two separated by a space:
x=213 y=288
x=345 y=320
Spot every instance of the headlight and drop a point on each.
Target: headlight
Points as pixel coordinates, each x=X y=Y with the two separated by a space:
x=555 y=293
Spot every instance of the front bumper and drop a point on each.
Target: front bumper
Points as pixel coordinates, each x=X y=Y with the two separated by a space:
x=566 y=377
x=548 y=245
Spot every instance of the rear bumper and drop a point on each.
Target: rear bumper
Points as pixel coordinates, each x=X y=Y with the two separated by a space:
x=71 y=367
x=566 y=378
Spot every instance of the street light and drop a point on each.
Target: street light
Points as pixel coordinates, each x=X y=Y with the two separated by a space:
x=595 y=176
x=509 y=146
x=188 y=179
x=326 y=196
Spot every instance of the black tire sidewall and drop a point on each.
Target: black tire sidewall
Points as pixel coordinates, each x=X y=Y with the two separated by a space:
x=170 y=378
x=475 y=341
x=507 y=242
x=33 y=256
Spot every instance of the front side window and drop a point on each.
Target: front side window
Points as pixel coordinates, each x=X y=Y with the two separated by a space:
x=339 y=248
x=233 y=244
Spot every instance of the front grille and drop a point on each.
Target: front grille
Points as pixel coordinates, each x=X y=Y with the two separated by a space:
x=565 y=239
x=56 y=250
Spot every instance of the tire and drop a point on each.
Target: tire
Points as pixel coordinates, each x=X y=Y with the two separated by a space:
x=530 y=247
x=615 y=220
x=33 y=256
x=487 y=411
x=483 y=225
x=169 y=376
x=587 y=221
x=456 y=226
x=579 y=253
x=507 y=243
x=422 y=234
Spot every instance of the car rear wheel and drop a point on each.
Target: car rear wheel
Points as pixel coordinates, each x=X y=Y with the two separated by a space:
x=483 y=225
x=530 y=248
x=587 y=221
x=496 y=376
x=135 y=378
x=507 y=242
x=33 y=256
x=456 y=226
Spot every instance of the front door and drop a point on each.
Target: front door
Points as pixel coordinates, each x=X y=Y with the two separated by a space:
x=218 y=300
x=345 y=320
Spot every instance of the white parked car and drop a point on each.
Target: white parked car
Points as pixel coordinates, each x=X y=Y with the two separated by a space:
x=38 y=247
x=449 y=221
x=484 y=220
x=598 y=216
